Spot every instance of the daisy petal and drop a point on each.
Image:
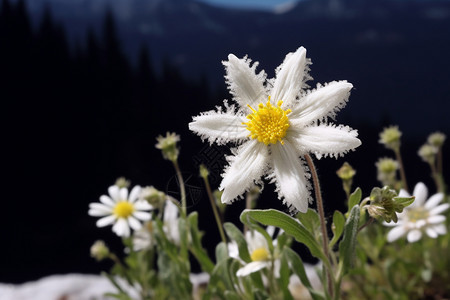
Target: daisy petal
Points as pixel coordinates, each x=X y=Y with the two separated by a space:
x=121 y=228
x=414 y=235
x=440 y=229
x=123 y=194
x=441 y=208
x=135 y=224
x=404 y=194
x=247 y=165
x=289 y=78
x=106 y=221
x=107 y=201
x=252 y=267
x=395 y=233
x=324 y=101
x=434 y=200
x=421 y=193
x=324 y=140
x=220 y=127
x=143 y=216
x=244 y=84
x=436 y=219
x=290 y=175
x=99 y=210
x=113 y=191
x=142 y=205
x=134 y=194
x=431 y=232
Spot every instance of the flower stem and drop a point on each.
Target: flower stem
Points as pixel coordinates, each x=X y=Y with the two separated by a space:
x=182 y=188
x=402 y=169
x=214 y=208
x=322 y=219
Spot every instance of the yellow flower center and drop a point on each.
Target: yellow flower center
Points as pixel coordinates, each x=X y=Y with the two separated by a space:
x=269 y=123
x=417 y=214
x=260 y=254
x=123 y=209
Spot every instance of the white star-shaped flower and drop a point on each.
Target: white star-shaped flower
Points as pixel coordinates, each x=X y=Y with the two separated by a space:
x=276 y=121
x=420 y=217
x=121 y=209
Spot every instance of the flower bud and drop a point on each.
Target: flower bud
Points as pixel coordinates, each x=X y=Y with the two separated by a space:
x=390 y=137
x=122 y=182
x=428 y=153
x=99 y=250
x=387 y=171
x=436 y=139
x=153 y=196
x=168 y=145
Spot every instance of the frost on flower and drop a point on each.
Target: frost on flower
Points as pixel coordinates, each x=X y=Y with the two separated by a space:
x=420 y=217
x=121 y=209
x=274 y=123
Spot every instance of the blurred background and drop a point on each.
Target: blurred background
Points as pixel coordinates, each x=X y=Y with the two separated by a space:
x=87 y=85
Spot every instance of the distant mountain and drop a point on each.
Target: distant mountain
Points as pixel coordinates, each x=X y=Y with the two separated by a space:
x=394 y=51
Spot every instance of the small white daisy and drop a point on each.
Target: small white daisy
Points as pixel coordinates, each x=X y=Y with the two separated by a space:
x=276 y=121
x=420 y=217
x=259 y=253
x=121 y=209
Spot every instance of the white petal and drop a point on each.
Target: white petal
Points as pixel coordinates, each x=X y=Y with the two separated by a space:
x=434 y=200
x=220 y=127
x=134 y=194
x=324 y=101
x=123 y=194
x=99 y=210
x=421 y=193
x=252 y=267
x=431 y=232
x=107 y=201
x=414 y=235
x=143 y=216
x=290 y=175
x=290 y=77
x=440 y=229
x=395 y=233
x=170 y=211
x=326 y=140
x=441 y=208
x=142 y=205
x=436 y=219
x=247 y=165
x=113 y=191
x=106 y=221
x=404 y=194
x=135 y=224
x=121 y=228
x=244 y=84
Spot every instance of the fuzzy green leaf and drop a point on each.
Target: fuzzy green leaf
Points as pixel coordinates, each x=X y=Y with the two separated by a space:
x=338 y=227
x=236 y=235
x=348 y=244
x=354 y=198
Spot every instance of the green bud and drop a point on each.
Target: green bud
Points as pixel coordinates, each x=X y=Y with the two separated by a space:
x=387 y=171
x=122 y=182
x=204 y=173
x=428 y=153
x=346 y=172
x=385 y=204
x=99 y=250
x=390 y=137
x=153 y=196
x=168 y=146
x=217 y=196
x=436 y=139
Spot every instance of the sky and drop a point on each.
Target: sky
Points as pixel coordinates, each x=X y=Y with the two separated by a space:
x=261 y=4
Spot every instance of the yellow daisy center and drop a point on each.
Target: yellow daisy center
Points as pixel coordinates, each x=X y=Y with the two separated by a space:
x=269 y=123
x=417 y=214
x=260 y=254
x=123 y=209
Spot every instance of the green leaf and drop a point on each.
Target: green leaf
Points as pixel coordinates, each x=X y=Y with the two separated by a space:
x=290 y=225
x=196 y=246
x=299 y=269
x=221 y=251
x=311 y=221
x=348 y=243
x=354 y=198
x=338 y=227
x=284 y=277
x=236 y=235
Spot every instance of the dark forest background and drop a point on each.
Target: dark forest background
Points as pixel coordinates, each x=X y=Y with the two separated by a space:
x=75 y=118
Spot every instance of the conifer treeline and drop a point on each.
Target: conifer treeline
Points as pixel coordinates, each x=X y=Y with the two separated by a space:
x=75 y=120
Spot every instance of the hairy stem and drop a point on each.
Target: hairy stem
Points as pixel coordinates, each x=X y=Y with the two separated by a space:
x=182 y=188
x=402 y=169
x=214 y=208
